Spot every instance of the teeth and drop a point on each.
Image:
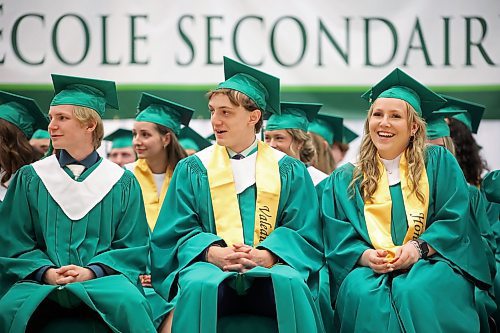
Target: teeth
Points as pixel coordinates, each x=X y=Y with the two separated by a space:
x=385 y=134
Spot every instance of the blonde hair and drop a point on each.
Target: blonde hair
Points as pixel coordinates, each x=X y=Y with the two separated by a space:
x=323 y=160
x=86 y=117
x=367 y=170
x=308 y=152
x=448 y=144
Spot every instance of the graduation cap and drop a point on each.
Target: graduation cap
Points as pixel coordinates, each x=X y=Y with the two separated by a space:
x=91 y=93
x=437 y=127
x=163 y=112
x=262 y=88
x=121 y=138
x=348 y=135
x=190 y=139
x=293 y=115
x=41 y=134
x=328 y=127
x=474 y=113
x=400 y=85
x=22 y=112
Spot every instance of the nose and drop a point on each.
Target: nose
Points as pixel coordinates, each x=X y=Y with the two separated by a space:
x=52 y=125
x=385 y=121
x=135 y=140
x=215 y=119
x=273 y=143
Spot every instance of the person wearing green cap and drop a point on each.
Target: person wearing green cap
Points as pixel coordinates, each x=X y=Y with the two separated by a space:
x=340 y=147
x=232 y=247
x=73 y=232
x=19 y=118
x=399 y=238
x=325 y=130
x=156 y=127
x=121 y=151
x=40 y=141
x=191 y=141
x=438 y=131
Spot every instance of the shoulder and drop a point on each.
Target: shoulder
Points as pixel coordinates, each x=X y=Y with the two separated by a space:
x=192 y=165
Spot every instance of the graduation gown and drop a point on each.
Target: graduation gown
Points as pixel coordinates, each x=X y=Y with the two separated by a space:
x=97 y=219
x=186 y=227
x=437 y=294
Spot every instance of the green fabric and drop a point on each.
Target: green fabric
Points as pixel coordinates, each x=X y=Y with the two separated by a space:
x=460 y=256
x=41 y=134
x=474 y=114
x=22 y=112
x=348 y=135
x=91 y=93
x=187 y=227
x=328 y=127
x=293 y=116
x=491 y=186
x=262 y=88
x=163 y=112
x=437 y=127
x=35 y=232
x=121 y=138
x=400 y=85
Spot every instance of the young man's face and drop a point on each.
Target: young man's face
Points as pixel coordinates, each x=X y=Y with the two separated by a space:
x=122 y=156
x=234 y=126
x=65 y=129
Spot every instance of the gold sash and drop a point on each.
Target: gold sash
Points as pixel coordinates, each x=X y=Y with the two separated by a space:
x=152 y=202
x=378 y=210
x=225 y=201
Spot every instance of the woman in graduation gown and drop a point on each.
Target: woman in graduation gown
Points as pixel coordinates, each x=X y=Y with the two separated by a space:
x=155 y=141
x=73 y=232
x=232 y=239
x=399 y=242
x=20 y=117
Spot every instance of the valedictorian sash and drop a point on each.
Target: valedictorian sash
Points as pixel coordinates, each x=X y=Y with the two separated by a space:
x=152 y=201
x=224 y=199
x=378 y=210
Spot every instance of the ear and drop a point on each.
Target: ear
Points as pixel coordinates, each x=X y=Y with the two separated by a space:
x=165 y=139
x=414 y=128
x=91 y=126
x=254 y=117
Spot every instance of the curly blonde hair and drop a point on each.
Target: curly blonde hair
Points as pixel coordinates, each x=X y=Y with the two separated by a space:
x=323 y=160
x=307 y=150
x=367 y=170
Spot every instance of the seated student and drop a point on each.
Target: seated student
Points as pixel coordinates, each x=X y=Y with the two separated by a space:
x=191 y=141
x=121 y=151
x=20 y=117
x=438 y=132
x=404 y=255
x=73 y=232
x=155 y=132
x=232 y=237
x=324 y=130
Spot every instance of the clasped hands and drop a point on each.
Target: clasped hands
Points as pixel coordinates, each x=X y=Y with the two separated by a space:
x=67 y=274
x=377 y=260
x=239 y=257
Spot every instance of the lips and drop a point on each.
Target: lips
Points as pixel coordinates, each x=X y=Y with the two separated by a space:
x=384 y=134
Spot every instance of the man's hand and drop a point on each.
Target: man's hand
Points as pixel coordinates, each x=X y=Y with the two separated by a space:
x=67 y=274
x=248 y=257
x=217 y=255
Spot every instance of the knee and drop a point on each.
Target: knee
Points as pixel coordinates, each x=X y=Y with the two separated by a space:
x=358 y=284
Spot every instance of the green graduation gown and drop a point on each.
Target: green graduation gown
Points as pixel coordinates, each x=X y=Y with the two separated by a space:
x=36 y=231
x=437 y=294
x=186 y=227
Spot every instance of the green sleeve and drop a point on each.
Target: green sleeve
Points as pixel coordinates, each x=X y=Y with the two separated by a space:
x=20 y=254
x=491 y=186
x=297 y=238
x=180 y=236
x=130 y=244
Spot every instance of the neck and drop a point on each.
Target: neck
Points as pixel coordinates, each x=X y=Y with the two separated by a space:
x=158 y=164
x=243 y=144
x=80 y=153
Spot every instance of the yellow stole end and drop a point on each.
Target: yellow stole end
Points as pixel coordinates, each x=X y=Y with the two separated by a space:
x=152 y=202
x=378 y=210
x=225 y=201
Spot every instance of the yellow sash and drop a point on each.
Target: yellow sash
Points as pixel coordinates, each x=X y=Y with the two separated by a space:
x=378 y=210
x=152 y=202
x=225 y=202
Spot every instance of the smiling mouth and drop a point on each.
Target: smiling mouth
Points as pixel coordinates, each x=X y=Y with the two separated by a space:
x=385 y=134
x=219 y=131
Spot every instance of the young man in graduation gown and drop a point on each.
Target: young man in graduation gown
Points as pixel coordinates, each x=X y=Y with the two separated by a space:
x=121 y=151
x=238 y=233
x=73 y=233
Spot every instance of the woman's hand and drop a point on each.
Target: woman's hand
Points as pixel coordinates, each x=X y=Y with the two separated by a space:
x=67 y=274
x=376 y=260
x=406 y=256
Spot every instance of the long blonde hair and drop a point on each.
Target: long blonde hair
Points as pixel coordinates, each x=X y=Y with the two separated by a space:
x=367 y=170
x=307 y=151
x=323 y=160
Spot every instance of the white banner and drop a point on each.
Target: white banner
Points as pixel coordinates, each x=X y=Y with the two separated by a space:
x=305 y=43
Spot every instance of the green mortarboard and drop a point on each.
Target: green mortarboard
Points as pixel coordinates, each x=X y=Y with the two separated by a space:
x=328 y=127
x=41 y=134
x=474 y=114
x=22 y=112
x=91 y=93
x=293 y=116
x=348 y=135
x=260 y=87
x=163 y=112
x=400 y=85
x=121 y=138
x=190 y=139
x=437 y=127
